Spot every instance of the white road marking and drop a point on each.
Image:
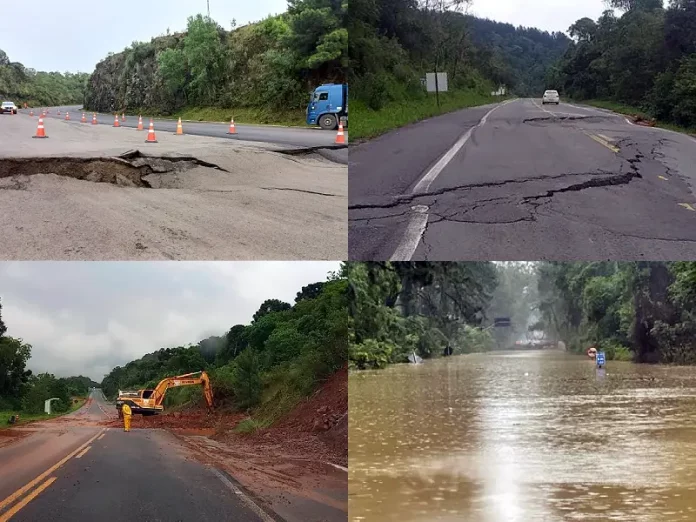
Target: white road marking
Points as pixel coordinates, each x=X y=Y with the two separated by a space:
x=337 y=466
x=253 y=505
x=419 y=219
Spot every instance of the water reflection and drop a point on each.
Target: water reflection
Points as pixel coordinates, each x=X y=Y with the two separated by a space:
x=523 y=436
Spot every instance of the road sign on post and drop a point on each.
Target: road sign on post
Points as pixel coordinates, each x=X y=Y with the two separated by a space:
x=600 y=359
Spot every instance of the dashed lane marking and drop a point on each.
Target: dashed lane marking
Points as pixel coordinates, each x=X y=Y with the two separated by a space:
x=687 y=206
x=83 y=452
x=662 y=177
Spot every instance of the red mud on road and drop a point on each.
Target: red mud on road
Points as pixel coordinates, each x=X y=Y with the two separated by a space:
x=288 y=463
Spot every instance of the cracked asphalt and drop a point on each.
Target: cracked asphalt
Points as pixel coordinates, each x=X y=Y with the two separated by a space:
x=524 y=182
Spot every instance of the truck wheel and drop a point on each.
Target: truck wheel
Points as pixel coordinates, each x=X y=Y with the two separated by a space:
x=328 y=122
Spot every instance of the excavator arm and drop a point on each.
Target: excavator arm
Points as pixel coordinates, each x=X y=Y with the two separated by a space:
x=188 y=379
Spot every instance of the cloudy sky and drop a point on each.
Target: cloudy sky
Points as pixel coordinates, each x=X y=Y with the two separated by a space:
x=73 y=35
x=88 y=317
x=549 y=15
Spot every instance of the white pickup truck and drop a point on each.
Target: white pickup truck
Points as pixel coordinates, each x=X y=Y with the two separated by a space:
x=8 y=106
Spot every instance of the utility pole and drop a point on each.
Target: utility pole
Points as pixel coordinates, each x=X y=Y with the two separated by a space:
x=208 y=2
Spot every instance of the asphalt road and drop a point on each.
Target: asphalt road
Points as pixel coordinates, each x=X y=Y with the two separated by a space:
x=524 y=182
x=285 y=137
x=72 y=470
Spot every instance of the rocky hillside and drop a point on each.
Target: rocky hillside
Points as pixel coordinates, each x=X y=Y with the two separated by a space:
x=271 y=64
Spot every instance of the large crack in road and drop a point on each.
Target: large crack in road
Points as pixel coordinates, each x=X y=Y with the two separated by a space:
x=127 y=170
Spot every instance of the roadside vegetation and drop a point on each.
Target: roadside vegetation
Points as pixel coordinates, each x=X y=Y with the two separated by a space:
x=264 y=368
x=397 y=309
x=642 y=311
x=259 y=73
x=23 y=393
x=21 y=85
x=633 y=311
x=394 y=43
x=641 y=54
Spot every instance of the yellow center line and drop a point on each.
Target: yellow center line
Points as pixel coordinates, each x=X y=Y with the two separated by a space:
x=686 y=205
x=603 y=137
x=602 y=142
x=662 y=177
x=14 y=496
x=83 y=452
x=101 y=436
x=31 y=496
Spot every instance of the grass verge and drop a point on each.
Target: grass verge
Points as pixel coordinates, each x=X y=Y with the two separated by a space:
x=367 y=123
x=630 y=110
x=29 y=417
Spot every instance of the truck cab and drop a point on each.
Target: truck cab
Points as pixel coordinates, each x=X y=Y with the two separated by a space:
x=328 y=105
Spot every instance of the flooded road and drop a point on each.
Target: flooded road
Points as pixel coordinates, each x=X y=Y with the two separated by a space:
x=524 y=436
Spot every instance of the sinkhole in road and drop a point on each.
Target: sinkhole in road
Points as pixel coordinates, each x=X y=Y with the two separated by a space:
x=126 y=170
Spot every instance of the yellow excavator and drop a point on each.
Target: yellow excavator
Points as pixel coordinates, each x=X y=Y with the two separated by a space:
x=149 y=402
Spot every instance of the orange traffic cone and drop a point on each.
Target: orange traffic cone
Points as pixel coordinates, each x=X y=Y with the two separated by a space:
x=67 y=116
x=151 y=138
x=179 y=128
x=58 y=113
x=123 y=117
x=40 y=131
x=340 y=137
x=116 y=123
x=94 y=118
x=140 y=123
x=84 y=119
x=232 y=130
x=31 y=113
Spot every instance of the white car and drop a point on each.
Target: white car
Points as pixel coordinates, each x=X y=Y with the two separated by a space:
x=8 y=106
x=550 y=97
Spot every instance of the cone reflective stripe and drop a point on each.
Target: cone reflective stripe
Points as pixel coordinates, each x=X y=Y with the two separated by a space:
x=232 y=130
x=67 y=116
x=340 y=137
x=179 y=128
x=40 y=131
x=94 y=118
x=116 y=123
x=140 y=123
x=151 y=138
x=84 y=119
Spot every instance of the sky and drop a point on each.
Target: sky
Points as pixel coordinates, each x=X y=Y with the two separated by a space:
x=548 y=15
x=85 y=318
x=73 y=35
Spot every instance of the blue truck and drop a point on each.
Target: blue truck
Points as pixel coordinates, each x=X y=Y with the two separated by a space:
x=328 y=105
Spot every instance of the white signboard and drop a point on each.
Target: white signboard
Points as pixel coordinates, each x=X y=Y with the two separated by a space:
x=441 y=82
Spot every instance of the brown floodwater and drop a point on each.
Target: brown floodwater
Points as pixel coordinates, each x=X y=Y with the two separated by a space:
x=522 y=436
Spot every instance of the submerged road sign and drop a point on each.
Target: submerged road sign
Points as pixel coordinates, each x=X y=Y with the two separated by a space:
x=600 y=359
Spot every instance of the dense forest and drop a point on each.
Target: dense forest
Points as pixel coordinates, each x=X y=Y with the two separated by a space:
x=645 y=311
x=424 y=307
x=22 y=391
x=393 y=43
x=269 y=364
x=24 y=85
x=645 y=57
x=273 y=64
x=638 y=311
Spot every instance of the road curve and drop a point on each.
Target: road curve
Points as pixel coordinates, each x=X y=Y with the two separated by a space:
x=73 y=470
x=522 y=181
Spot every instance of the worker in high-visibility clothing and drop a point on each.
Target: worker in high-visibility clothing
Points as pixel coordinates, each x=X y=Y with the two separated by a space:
x=127 y=413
